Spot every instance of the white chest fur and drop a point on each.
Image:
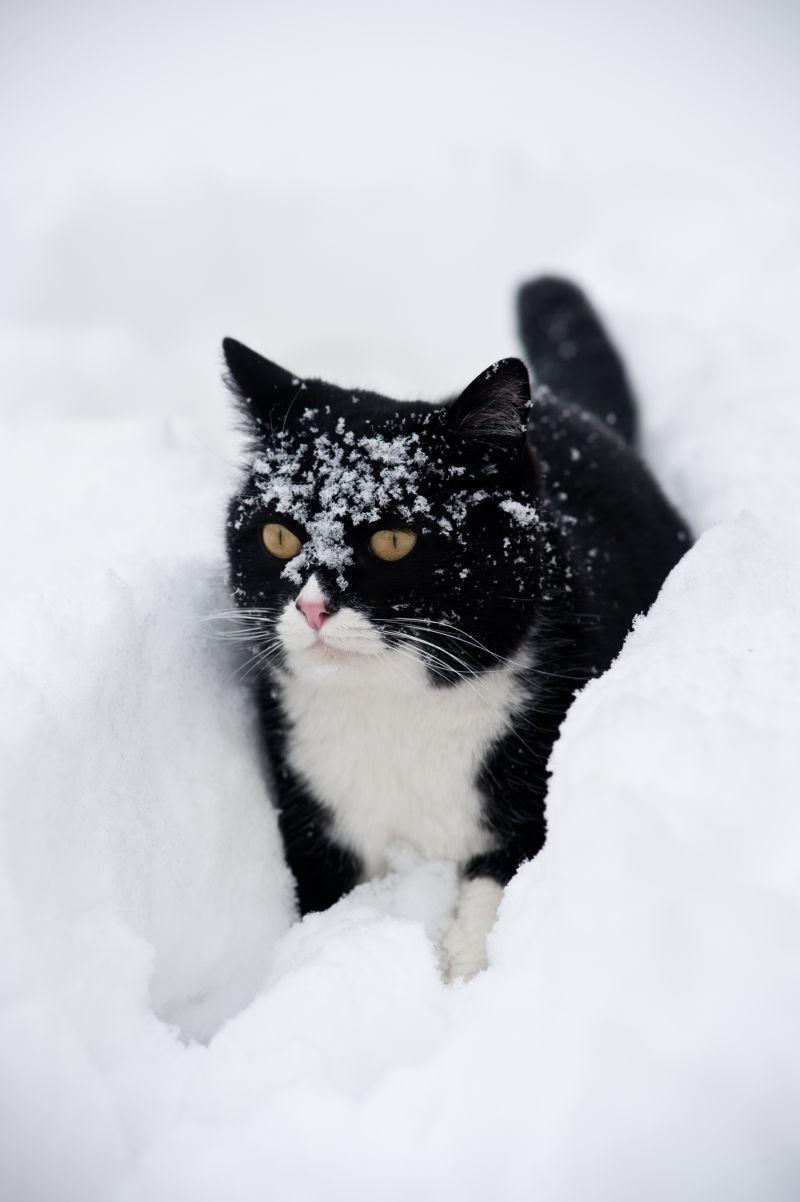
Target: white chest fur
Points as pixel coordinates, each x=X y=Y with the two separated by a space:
x=394 y=759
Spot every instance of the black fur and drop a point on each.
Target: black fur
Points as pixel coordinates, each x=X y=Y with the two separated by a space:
x=538 y=524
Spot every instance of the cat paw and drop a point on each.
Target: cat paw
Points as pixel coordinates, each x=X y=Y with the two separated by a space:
x=464 y=941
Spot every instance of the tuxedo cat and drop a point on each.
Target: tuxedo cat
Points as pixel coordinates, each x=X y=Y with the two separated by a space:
x=425 y=586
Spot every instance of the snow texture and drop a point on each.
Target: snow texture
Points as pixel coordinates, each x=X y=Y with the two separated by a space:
x=355 y=193
x=364 y=479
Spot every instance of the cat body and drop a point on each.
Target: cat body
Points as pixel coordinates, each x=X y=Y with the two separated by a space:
x=426 y=586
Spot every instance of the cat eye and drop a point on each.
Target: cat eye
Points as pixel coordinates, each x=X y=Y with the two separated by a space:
x=391 y=545
x=280 y=541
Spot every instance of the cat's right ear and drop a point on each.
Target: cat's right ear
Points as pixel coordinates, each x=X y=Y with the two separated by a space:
x=263 y=392
x=494 y=408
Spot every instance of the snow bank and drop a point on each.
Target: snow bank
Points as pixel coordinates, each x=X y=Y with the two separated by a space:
x=166 y=1031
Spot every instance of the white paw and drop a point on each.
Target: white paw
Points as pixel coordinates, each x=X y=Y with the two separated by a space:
x=464 y=942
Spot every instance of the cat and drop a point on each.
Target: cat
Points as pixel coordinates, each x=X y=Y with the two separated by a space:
x=426 y=586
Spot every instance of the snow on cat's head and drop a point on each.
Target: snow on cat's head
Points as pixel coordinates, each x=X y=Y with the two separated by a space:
x=364 y=522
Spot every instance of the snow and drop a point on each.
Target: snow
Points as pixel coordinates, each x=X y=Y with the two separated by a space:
x=357 y=478
x=166 y=1030
x=525 y=515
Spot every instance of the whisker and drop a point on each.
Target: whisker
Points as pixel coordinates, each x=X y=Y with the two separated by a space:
x=255 y=662
x=521 y=669
x=239 y=625
x=465 y=675
x=460 y=636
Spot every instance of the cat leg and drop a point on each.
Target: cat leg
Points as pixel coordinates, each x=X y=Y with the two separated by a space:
x=323 y=869
x=464 y=942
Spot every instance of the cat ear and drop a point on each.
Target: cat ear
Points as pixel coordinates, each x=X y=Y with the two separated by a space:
x=494 y=408
x=264 y=392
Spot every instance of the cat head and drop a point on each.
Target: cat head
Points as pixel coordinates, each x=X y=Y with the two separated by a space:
x=365 y=524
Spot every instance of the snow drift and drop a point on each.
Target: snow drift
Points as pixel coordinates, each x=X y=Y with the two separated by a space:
x=166 y=1030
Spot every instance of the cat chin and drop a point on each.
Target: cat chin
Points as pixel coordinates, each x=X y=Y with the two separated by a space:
x=323 y=652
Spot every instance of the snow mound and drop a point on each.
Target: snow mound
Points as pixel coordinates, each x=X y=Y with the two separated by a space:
x=167 y=1031
x=643 y=988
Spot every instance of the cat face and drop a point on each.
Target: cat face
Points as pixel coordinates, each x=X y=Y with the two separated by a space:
x=366 y=524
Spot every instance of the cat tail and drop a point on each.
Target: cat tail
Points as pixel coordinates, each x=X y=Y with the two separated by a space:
x=571 y=353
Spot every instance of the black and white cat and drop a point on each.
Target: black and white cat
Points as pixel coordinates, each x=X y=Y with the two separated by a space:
x=427 y=586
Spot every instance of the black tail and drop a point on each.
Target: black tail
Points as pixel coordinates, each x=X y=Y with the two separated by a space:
x=570 y=351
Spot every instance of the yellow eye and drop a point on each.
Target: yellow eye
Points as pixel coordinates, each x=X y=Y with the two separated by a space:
x=392 y=544
x=279 y=541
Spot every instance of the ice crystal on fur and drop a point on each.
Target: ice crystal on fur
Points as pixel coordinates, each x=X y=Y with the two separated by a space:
x=350 y=478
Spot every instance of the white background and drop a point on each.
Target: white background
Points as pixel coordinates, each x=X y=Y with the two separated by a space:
x=355 y=190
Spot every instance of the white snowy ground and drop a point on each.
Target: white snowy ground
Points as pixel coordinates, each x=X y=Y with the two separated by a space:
x=356 y=191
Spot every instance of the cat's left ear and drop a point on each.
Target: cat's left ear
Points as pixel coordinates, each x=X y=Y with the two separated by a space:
x=494 y=408
x=263 y=391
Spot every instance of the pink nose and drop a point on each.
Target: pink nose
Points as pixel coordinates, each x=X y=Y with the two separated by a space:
x=314 y=612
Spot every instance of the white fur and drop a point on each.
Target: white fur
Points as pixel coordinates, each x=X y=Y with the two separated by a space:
x=392 y=757
x=464 y=942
